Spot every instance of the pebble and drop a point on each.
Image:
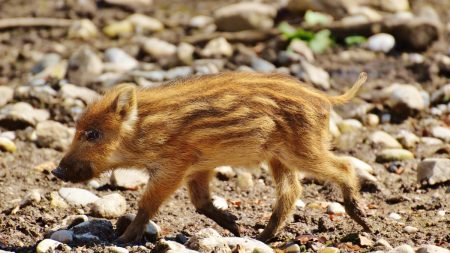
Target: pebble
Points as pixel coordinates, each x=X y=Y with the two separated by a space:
x=130 y=179
x=244 y=180
x=431 y=141
x=21 y=115
x=75 y=92
x=64 y=236
x=32 y=196
x=7 y=145
x=381 y=42
x=384 y=139
x=405 y=248
x=349 y=125
x=225 y=172
x=152 y=231
x=93 y=231
x=47 y=246
x=83 y=29
x=7 y=95
x=77 y=196
x=394 y=5
x=185 y=53
x=110 y=206
x=10 y=135
x=372 y=119
x=315 y=75
x=299 y=204
x=410 y=229
x=395 y=216
x=363 y=170
x=57 y=201
x=208 y=240
x=431 y=249
x=118 y=60
x=116 y=249
x=334 y=129
x=73 y=220
x=121 y=28
x=245 y=16
x=179 y=72
x=262 y=65
x=408 y=139
x=441 y=213
x=389 y=155
x=201 y=21
x=159 y=48
x=329 y=250
x=172 y=247
x=442 y=133
x=132 y=4
x=143 y=23
x=216 y=48
x=442 y=95
x=433 y=171
x=84 y=66
x=384 y=243
x=292 y=248
x=300 y=47
x=335 y=208
x=220 y=203
x=52 y=134
x=247 y=245
x=399 y=95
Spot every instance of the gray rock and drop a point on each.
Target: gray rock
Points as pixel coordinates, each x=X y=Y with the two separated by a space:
x=63 y=236
x=208 y=240
x=245 y=16
x=48 y=60
x=7 y=145
x=384 y=139
x=388 y=155
x=300 y=47
x=405 y=248
x=262 y=65
x=384 y=243
x=52 y=134
x=118 y=60
x=6 y=95
x=21 y=115
x=217 y=48
x=44 y=93
x=152 y=231
x=77 y=196
x=433 y=171
x=247 y=245
x=431 y=249
x=110 y=206
x=159 y=48
x=129 y=178
x=84 y=67
x=179 y=72
x=76 y=92
x=381 y=42
x=185 y=53
x=442 y=133
x=312 y=74
x=93 y=231
x=401 y=95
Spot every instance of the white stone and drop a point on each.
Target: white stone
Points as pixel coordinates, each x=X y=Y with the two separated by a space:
x=159 y=48
x=208 y=240
x=299 y=204
x=410 y=229
x=84 y=66
x=329 y=250
x=110 y=206
x=173 y=247
x=334 y=129
x=23 y=113
x=381 y=42
x=431 y=249
x=130 y=179
x=82 y=29
x=118 y=60
x=433 y=170
x=384 y=139
x=201 y=21
x=395 y=216
x=441 y=213
x=335 y=208
x=10 y=135
x=363 y=169
x=293 y=248
x=152 y=230
x=33 y=196
x=6 y=95
x=47 y=246
x=76 y=92
x=77 y=196
x=225 y=172
x=248 y=244
x=217 y=48
x=300 y=47
x=316 y=75
x=143 y=23
x=349 y=125
x=185 y=53
x=395 y=5
x=405 y=248
x=397 y=95
x=384 y=243
x=120 y=28
x=442 y=133
x=244 y=180
x=431 y=141
x=245 y=16
x=220 y=203
x=63 y=236
x=387 y=155
x=408 y=139
x=52 y=134
x=116 y=249
x=57 y=201
x=372 y=119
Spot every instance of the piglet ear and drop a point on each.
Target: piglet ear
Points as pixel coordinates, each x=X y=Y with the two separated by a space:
x=125 y=103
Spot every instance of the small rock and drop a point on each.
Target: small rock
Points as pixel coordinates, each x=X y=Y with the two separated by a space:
x=201 y=21
x=143 y=23
x=110 y=206
x=116 y=249
x=7 y=145
x=33 y=196
x=329 y=250
x=208 y=240
x=384 y=243
x=118 y=60
x=132 y=4
x=300 y=47
x=121 y=28
x=220 y=203
x=185 y=53
x=372 y=119
x=398 y=96
x=152 y=231
x=431 y=141
x=292 y=248
x=299 y=204
x=225 y=172
x=363 y=170
x=129 y=179
x=10 y=135
x=179 y=72
x=77 y=196
x=440 y=96
x=57 y=201
x=408 y=139
x=389 y=155
x=395 y=216
x=21 y=115
x=7 y=95
x=431 y=249
x=349 y=125
x=410 y=229
x=316 y=75
x=171 y=247
x=159 y=48
x=76 y=92
x=262 y=65
x=381 y=42
x=64 y=236
x=335 y=208
x=394 y=5
x=84 y=66
x=247 y=245
x=52 y=134
x=405 y=248
x=216 y=48
x=441 y=213
x=93 y=231
x=384 y=139
x=47 y=246
x=433 y=171
x=442 y=133
x=73 y=220
x=245 y=16
x=244 y=180
x=83 y=29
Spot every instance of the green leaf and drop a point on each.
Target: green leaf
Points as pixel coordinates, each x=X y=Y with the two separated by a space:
x=321 y=41
x=290 y=32
x=354 y=40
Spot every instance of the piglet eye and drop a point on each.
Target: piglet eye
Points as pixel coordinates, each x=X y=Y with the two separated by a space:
x=92 y=134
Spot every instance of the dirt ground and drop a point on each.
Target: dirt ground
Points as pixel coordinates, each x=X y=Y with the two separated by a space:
x=398 y=193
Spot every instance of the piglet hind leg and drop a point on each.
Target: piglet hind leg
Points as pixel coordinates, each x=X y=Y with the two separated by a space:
x=288 y=191
x=199 y=193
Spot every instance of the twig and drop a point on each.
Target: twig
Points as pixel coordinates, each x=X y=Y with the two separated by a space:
x=8 y=23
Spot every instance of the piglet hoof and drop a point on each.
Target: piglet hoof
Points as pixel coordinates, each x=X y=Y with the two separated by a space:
x=222 y=218
x=264 y=236
x=133 y=234
x=357 y=213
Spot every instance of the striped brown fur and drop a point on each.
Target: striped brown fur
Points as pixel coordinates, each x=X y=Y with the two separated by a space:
x=182 y=130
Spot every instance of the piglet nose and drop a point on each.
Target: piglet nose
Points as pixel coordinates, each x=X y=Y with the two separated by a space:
x=58 y=172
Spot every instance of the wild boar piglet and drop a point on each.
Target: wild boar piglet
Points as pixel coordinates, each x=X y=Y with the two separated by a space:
x=179 y=132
